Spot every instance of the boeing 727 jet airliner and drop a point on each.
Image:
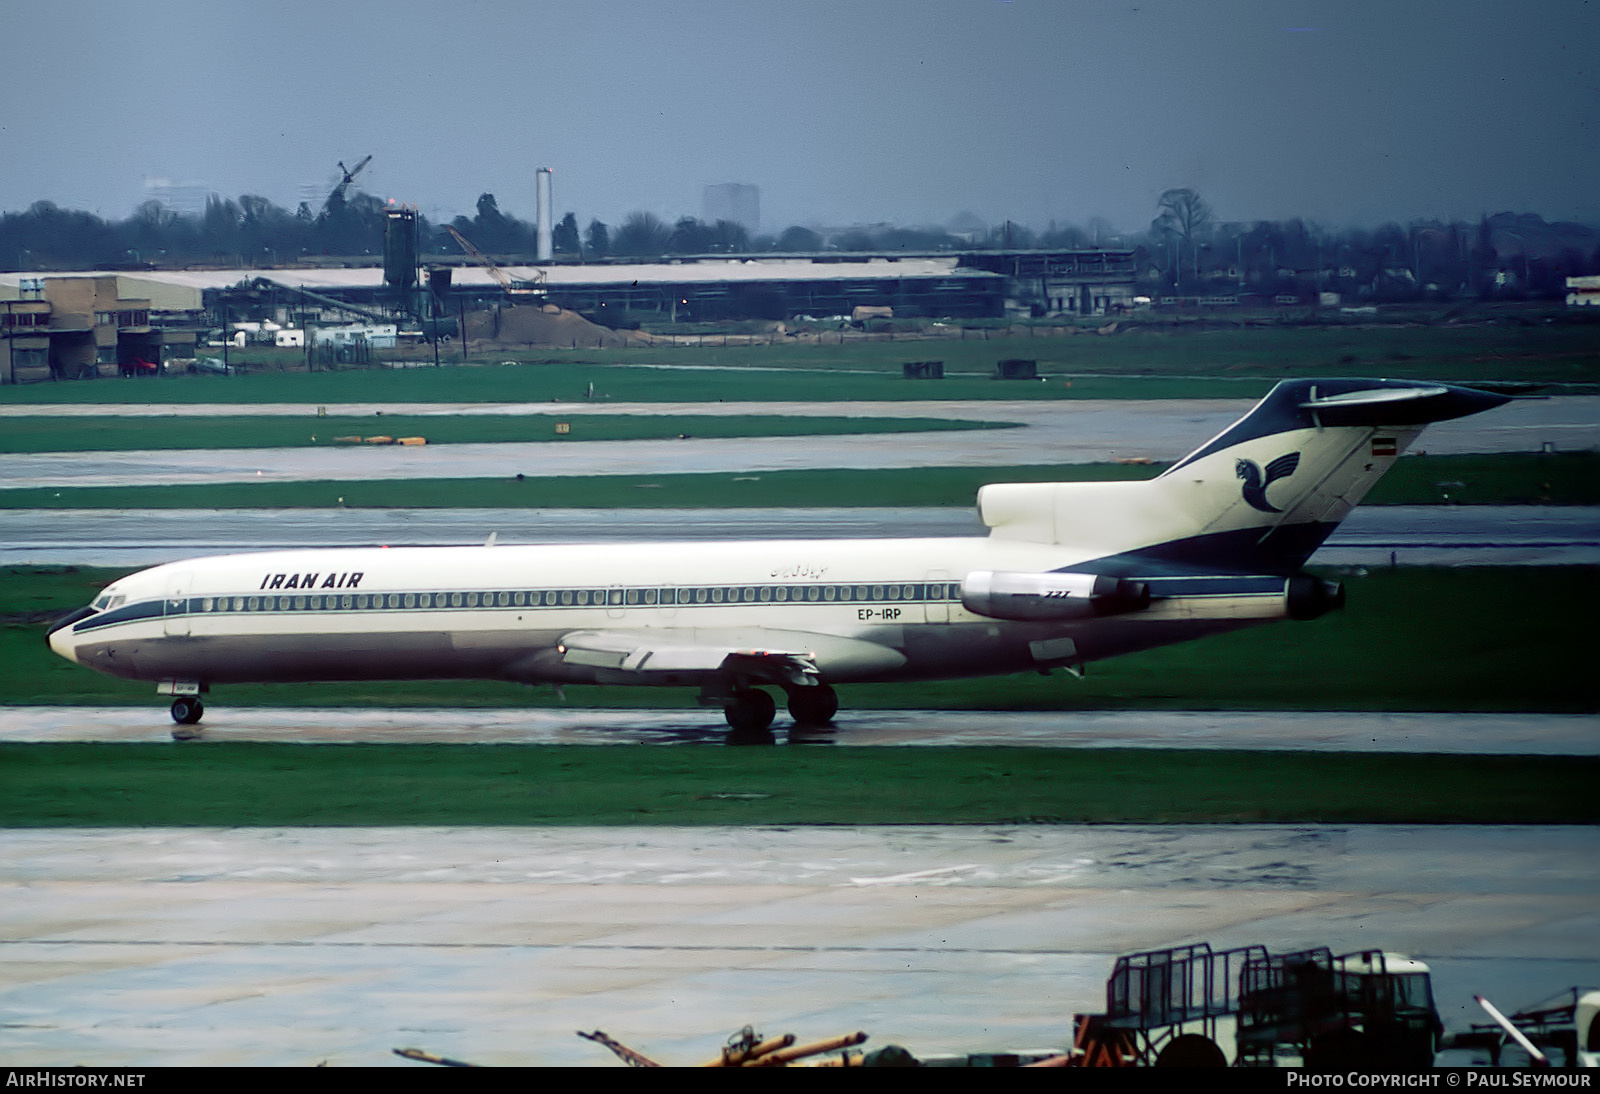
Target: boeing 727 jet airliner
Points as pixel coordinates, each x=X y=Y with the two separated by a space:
x=1069 y=573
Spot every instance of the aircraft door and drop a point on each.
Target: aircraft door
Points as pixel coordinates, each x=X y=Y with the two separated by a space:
x=174 y=608
x=938 y=609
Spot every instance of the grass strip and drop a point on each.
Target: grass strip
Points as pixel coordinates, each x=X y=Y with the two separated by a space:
x=241 y=784
x=1566 y=478
x=111 y=434
x=1133 y=361
x=1411 y=639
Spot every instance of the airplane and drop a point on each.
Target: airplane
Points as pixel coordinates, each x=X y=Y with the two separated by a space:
x=1069 y=573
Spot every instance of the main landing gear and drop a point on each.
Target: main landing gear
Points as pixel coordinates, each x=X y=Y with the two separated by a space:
x=751 y=710
x=187 y=710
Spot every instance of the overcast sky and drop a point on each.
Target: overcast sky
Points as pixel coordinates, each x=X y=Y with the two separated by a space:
x=849 y=112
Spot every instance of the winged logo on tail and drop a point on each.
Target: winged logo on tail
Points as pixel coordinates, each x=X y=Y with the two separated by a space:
x=1255 y=486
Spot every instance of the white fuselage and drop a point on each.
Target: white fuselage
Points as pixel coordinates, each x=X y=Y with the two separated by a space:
x=862 y=610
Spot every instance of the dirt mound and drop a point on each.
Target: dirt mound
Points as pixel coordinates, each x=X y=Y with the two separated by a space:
x=546 y=325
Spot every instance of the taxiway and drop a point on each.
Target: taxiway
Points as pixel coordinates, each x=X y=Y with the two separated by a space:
x=295 y=947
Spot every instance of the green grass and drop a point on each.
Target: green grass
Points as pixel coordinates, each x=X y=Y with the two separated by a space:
x=1469 y=639
x=281 y=785
x=109 y=434
x=1571 y=478
x=1139 y=361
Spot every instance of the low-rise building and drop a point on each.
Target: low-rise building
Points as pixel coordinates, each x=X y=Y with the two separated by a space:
x=71 y=326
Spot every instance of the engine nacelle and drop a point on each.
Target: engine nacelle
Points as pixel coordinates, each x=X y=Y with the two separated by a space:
x=1307 y=597
x=1051 y=597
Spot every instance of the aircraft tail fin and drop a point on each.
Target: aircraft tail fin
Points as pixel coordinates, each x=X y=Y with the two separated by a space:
x=1260 y=496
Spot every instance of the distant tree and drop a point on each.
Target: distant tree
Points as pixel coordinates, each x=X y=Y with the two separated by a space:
x=1485 y=259
x=914 y=239
x=149 y=229
x=689 y=237
x=1067 y=236
x=728 y=237
x=1009 y=235
x=495 y=233
x=267 y=233
x=597 y=239
x=642 y=235
x=1261 y=248
x=564 y=237
x=798 y=240
x=854 y=240
x=219 y=228
x=1183 y=213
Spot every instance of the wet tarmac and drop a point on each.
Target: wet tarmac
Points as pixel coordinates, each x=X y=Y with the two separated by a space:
x=1480 y=734
x=295 y=947
x=1087 y=431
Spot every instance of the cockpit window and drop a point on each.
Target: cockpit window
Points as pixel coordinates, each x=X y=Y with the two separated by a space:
x=106 y=602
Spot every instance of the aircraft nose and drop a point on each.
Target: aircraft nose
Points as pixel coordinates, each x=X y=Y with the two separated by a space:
x=60 y=634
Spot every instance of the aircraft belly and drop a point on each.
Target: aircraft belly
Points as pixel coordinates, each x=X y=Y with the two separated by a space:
x=283 y=658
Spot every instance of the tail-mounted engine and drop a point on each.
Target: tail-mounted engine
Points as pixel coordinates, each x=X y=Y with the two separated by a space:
x=1052 y=596
x=1307 y=597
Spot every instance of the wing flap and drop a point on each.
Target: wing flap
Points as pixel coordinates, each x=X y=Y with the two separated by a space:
x=793 y=658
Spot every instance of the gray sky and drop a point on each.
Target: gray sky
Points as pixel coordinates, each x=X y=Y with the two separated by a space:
x=855 y=111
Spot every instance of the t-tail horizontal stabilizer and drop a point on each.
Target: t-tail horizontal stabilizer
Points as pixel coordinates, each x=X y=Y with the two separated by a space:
x=1259 y=497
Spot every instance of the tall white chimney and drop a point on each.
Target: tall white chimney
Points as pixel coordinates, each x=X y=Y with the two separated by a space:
x=542 y=177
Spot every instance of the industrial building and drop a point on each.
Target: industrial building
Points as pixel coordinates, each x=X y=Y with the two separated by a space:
x=78 y=325
x=68 y=325
x=1086 y=282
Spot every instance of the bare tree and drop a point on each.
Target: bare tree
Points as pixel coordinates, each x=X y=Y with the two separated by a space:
x=1183 y=213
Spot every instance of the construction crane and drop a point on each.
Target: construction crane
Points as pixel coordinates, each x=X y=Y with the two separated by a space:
x=494 y=271
x=336 y=197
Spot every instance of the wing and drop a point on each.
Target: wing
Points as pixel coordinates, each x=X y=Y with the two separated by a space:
x=795 y=659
